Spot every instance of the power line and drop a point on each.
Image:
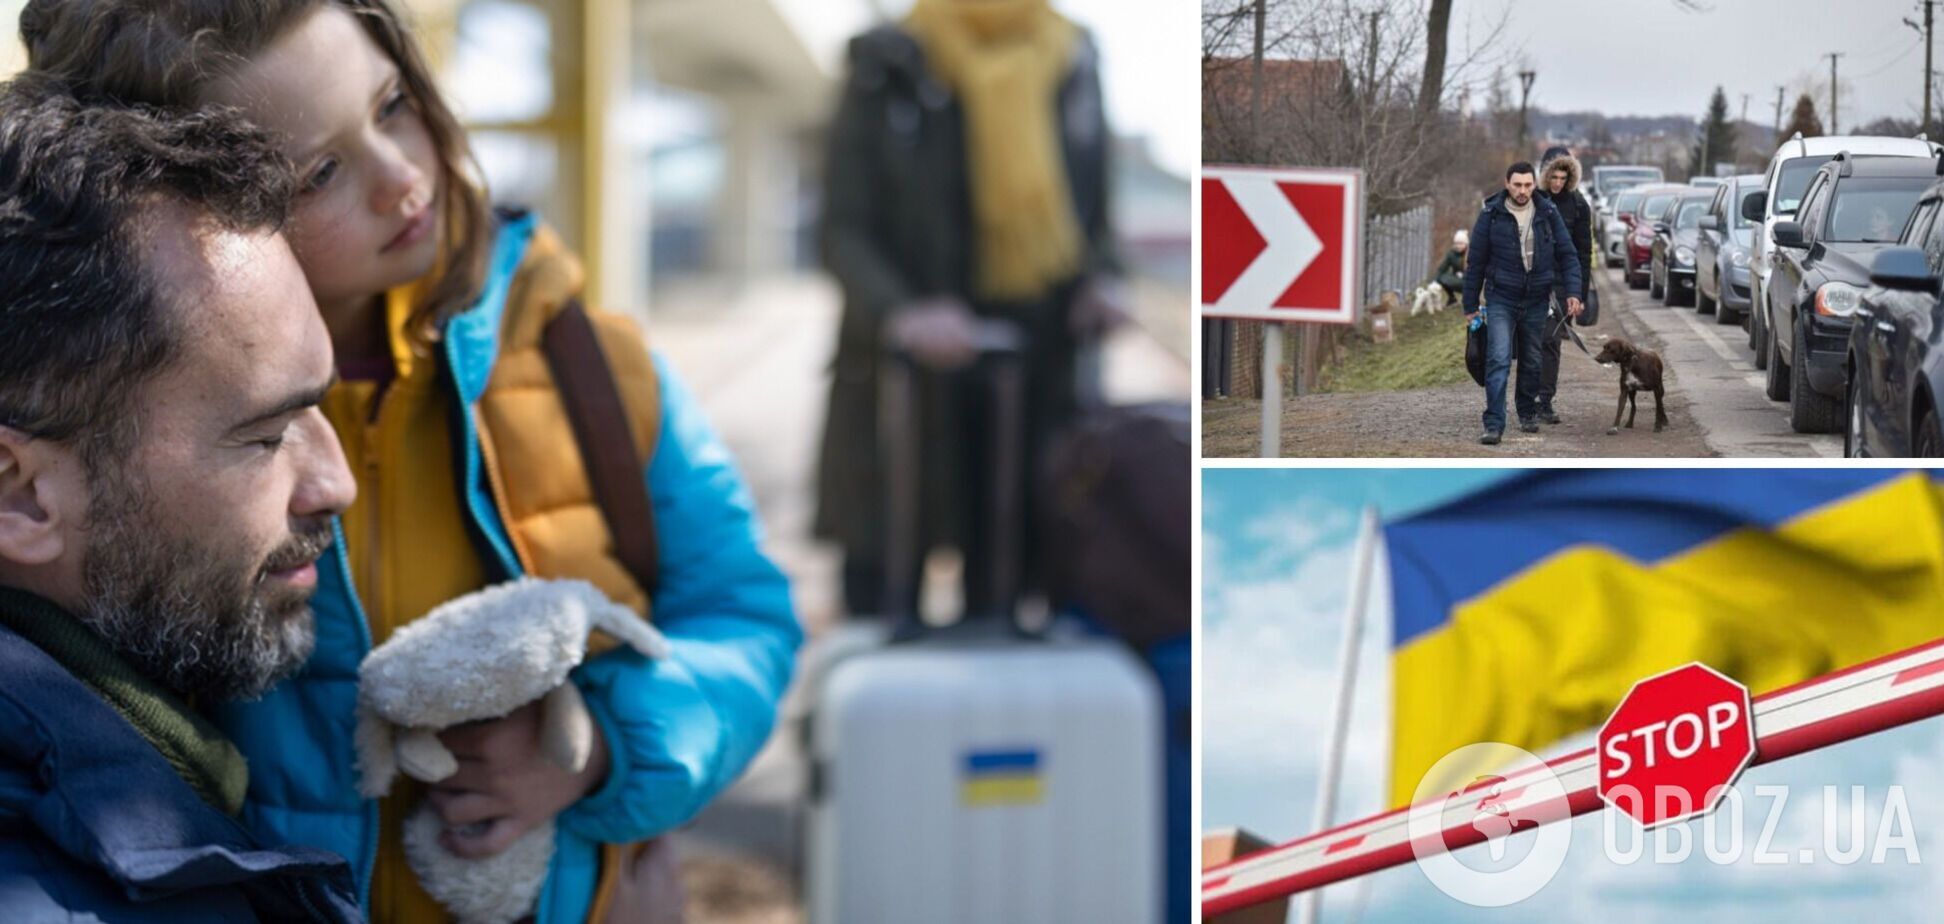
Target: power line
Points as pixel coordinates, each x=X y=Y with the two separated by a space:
x=1892 y=61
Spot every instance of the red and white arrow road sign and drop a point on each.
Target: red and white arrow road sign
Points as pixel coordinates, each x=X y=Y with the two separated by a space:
x=1890 y=691
x=1281 y=244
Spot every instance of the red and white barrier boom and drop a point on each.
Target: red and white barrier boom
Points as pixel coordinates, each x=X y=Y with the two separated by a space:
x=1890 y=691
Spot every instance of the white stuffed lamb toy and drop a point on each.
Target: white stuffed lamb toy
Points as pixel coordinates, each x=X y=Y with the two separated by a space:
x=483 y=656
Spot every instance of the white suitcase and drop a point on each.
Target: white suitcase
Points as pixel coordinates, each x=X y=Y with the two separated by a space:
x=978 y=782
x=978 y=774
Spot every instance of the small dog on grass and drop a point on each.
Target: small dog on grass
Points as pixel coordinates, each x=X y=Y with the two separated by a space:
x=1640 y=370
x=1429 y=299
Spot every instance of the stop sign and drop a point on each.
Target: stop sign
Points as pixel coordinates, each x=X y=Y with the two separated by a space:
x=1675 y=745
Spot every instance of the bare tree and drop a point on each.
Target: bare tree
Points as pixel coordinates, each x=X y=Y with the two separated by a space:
x=1342 y=88
x=1436 y=33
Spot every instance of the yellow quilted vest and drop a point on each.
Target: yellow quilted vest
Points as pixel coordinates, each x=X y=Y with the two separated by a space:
x=532 y=461
x=531 y=458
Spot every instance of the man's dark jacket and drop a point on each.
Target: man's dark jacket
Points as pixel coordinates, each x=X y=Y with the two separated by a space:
x=96 y=826
x=1495 y=268
x=1576 y=212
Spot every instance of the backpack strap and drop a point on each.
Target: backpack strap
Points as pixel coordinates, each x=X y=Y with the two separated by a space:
x=600 y=422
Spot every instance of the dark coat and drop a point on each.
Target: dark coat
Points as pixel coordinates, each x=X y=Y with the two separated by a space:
x=1495 y=267
x=96 y=826
x=1451 y=270
x=1578 y=216
x=1574 y=210
x=897 y=226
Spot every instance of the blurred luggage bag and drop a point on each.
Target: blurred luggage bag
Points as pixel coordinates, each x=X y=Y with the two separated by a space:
x=1116 y=491
x=978 y=772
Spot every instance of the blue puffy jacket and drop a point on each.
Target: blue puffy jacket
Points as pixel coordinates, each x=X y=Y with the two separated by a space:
x=1495 y=267
x=679 y=730
x=96 y=826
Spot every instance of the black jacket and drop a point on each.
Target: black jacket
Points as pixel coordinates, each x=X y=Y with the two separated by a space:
x=898 y=224
x=1578 y=216
x=1495 y=269
x=1574 y=209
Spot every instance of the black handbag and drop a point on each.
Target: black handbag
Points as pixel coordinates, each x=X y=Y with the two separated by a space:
x=1590 y=312
x=1475 y=352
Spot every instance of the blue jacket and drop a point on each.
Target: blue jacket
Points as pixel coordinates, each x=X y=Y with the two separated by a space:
x=96 y=826
x=679 y=730
x=1495 y=266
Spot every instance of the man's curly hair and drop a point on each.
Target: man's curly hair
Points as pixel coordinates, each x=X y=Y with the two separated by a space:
x=83 y=321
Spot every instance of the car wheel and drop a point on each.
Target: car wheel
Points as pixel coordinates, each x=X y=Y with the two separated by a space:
x=1776 y=385
x=1929 y=443
x=1810 y=411
x=1656 y=286
x=1670 y=289
x=1723 y=316
x=1635 y=278
x=1702 y=303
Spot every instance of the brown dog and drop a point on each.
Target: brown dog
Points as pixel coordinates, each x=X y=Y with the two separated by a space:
x=1640 y=370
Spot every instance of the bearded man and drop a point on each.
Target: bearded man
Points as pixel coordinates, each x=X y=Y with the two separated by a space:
x=167 y=487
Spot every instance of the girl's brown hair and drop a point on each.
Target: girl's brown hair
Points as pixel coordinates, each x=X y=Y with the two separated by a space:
x=166 y=52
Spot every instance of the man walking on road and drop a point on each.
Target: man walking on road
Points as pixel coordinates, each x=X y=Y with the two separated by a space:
x=1562 y=173
x=1521 y=254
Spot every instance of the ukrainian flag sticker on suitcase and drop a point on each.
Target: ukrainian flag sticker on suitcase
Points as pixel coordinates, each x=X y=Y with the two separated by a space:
x=1002 y=777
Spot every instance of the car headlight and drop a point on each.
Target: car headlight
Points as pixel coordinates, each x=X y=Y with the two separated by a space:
x=1837 y=299
x=1738 y=259
x=1684 y=255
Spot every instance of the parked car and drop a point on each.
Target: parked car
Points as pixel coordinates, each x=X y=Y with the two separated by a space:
x=1608 y=180
x=1671 y=274
x=1617 y=221
x=1654 y=203
x=1854 y=207
x=1721 y=252
x=1704 y=182
x=1783 y=183
x=1896 y=345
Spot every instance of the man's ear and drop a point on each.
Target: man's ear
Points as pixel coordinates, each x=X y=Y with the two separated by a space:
x=41 y=490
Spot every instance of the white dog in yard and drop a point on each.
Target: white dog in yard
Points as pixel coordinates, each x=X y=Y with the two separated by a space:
x=1429 y=299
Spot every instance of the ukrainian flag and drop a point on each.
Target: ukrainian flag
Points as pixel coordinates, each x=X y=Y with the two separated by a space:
x=1002 y=777
x=1524 y=612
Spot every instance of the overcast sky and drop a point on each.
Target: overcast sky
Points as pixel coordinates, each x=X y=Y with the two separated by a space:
x=1650 y=57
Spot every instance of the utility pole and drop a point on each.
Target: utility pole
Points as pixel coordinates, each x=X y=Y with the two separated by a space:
x=1525 y=89
x=1255 y=81
x=1741 y=122
x=1925 y=30
x=1832 y=90
x=1370 y=61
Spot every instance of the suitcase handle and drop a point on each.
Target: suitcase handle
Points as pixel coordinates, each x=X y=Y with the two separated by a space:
x=1002 y=349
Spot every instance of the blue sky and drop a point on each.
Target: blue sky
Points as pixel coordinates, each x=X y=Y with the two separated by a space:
x=1277 y=549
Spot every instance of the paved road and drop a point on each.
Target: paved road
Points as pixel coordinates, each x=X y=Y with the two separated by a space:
x=1715 y=370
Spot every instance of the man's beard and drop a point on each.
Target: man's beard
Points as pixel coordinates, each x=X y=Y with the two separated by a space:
x=195 y=615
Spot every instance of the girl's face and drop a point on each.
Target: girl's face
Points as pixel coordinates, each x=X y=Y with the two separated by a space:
x=367 y=215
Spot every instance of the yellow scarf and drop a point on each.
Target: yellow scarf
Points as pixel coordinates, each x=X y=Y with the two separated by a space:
x=1006 y=60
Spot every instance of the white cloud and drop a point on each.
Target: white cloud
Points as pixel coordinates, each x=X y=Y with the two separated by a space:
x=1269 y=685
x=1291 y=533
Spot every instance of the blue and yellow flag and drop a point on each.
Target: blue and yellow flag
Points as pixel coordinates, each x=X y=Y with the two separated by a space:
x=1524 y=612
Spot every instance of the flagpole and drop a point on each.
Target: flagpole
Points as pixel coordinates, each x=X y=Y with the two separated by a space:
x=1368 y=537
